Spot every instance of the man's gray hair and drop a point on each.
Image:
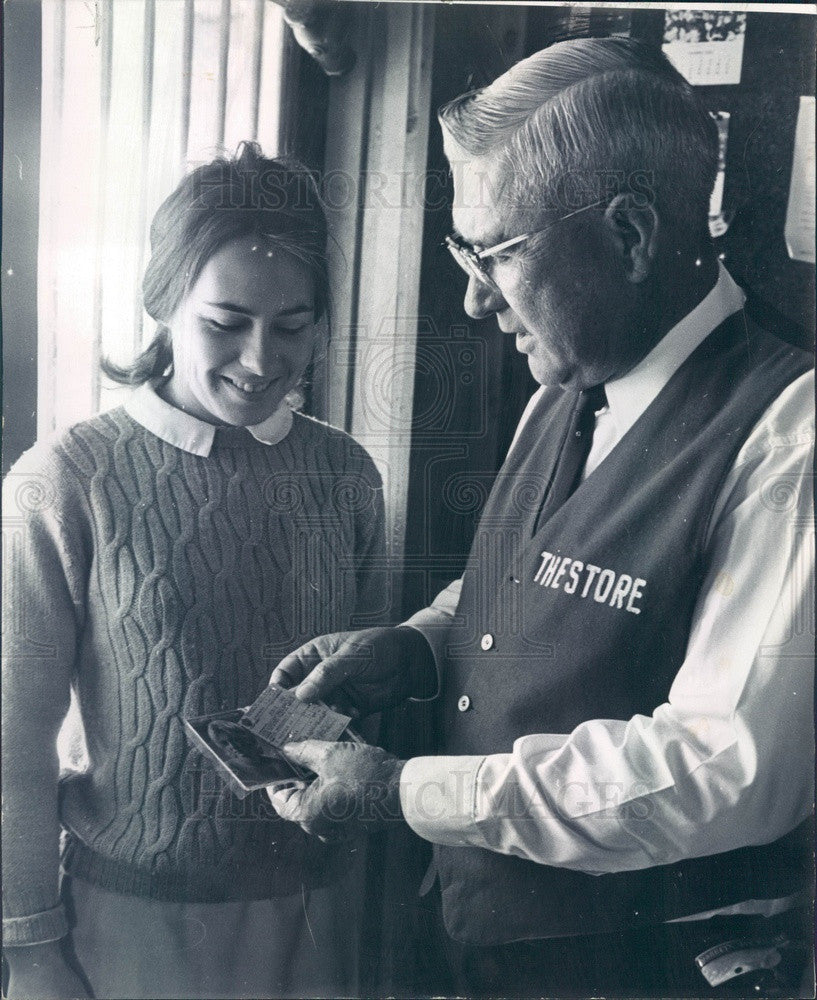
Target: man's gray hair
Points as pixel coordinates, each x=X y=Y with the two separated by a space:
x=589 y=118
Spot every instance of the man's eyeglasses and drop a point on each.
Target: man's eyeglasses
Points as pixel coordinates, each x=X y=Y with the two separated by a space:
x=471 y=259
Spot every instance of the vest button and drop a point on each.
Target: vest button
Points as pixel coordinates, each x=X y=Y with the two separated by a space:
x=487 y=641
x=464 y=703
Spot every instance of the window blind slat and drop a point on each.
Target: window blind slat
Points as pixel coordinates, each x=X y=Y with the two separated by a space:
x=269 y=89
x=242 y=86
x=54 y=22
x=148 y=48
x=255 y=74
x=223 y=58
x=104 y=28
x=187 y=70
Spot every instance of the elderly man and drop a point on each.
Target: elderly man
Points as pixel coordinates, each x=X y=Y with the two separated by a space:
x=625 y=776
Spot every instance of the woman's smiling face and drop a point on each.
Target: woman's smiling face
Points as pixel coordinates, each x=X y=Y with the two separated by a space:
x=243 y=335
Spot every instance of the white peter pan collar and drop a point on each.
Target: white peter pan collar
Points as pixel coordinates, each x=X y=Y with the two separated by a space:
x=187 y=432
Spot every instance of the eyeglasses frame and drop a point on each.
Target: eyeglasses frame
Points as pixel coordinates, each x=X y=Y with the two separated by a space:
x=470 y=260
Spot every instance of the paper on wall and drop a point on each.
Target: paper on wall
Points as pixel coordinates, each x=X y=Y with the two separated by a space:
x=799 y=229
x=718 y=223
x=706 y=46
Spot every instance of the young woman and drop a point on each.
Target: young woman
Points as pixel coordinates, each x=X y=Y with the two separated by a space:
x=161 y=558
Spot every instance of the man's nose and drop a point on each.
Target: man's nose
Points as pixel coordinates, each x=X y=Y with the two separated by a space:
x=482 y=300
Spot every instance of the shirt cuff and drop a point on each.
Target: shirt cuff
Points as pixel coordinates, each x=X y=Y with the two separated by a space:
x=38 y=928
x=438 y=798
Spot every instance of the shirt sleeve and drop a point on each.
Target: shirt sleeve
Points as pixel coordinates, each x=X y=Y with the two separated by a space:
x=728 y=760
x=42 y=611
x=435 y=620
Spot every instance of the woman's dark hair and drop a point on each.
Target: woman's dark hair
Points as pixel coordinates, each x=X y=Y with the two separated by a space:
x=275 y=200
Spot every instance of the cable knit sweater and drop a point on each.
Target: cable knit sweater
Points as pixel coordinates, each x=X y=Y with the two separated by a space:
x=162 y=584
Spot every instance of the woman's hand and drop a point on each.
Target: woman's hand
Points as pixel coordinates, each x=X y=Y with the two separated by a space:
x=363 y=671
x=40 y=972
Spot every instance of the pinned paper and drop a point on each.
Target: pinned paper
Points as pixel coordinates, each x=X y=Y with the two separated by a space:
x=706 y=46
x=718 y=223
x=799 y=229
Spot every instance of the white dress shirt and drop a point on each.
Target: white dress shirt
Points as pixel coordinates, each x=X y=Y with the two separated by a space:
x=728 y=760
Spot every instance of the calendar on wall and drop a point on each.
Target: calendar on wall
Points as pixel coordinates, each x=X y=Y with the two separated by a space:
x=706 y=46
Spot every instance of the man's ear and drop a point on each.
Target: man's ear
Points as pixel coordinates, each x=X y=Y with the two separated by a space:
x=634 y=229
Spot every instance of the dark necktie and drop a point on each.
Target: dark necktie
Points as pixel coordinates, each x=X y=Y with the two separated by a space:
x=574 y=452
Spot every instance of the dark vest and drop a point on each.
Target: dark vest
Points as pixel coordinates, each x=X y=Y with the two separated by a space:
x=588 y=617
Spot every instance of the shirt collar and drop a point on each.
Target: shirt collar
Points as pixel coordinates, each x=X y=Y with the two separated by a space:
x=187 y=432
x=630 y=395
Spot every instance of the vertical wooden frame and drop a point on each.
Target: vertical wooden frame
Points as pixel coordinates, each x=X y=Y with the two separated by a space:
x=377 y=138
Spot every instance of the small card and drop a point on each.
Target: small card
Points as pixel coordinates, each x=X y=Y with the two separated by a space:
x=278 y=717
x=245 y=742
x=246 y=762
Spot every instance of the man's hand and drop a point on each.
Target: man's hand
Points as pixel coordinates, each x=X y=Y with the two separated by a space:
x=357 y=789
x=40 y=972
x=363 y=671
